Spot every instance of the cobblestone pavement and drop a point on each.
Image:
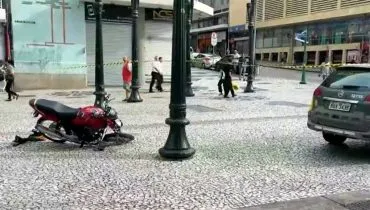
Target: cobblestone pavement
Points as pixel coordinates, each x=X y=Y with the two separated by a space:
x=252 y=149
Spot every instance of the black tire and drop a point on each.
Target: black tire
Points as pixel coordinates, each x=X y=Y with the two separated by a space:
x=334 y=139
x=52 y=126
x=117 y=139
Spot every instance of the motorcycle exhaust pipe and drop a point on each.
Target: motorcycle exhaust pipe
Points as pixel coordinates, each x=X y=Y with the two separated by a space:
x=52 y=134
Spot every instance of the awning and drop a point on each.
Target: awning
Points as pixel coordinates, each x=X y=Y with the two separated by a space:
x=200 y=10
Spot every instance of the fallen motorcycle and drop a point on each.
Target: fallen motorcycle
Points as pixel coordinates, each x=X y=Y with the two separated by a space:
x=90 y=125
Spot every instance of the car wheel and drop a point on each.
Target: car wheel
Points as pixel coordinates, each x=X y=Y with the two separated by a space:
x=334 y=139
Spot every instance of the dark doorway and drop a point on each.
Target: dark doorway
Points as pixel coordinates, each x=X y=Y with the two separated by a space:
x=274 y=57
x=323 y=56
x=311 y=58
x=298 y=58
x=337 y=56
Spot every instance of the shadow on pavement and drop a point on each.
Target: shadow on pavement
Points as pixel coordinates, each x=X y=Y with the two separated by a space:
x=352 y=152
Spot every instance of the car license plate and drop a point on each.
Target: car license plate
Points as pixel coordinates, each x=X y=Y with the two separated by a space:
x=340 y=106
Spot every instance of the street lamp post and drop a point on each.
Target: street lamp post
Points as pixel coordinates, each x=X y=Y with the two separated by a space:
x=188 y=89
x=99 y=67
x=177 y=146
x=251 y=67
x=135 y=86
x=303 y=77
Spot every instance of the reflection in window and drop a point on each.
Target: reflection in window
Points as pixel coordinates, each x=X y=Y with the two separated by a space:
x=259 y=39
x=267 y=38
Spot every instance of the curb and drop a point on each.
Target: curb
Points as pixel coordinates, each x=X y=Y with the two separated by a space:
x=355 y=200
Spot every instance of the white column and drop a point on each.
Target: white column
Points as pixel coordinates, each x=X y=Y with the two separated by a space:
x=344 y=56
x=141 y=46
x=317 y=58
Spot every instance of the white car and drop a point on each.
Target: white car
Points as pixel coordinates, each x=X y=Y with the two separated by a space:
x=206 y=61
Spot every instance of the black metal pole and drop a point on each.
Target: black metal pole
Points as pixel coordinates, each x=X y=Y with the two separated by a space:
x=135 y=86
x=251 y=67
x=177 y=146
x=99 y=65
x=188 y=89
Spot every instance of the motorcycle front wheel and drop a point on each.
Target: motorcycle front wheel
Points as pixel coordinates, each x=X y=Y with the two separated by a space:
x=53 y=127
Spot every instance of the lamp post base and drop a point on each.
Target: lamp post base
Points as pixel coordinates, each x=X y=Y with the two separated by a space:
x=177 y=146
x=249 y=88
x=302 y=82
x=189 y=90
x=134 y=96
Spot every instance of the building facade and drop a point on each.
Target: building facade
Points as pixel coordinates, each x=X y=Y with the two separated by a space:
x=238 y=30
x=337 y=30
x=52 y=43
x=48 y=39
x=202 y=28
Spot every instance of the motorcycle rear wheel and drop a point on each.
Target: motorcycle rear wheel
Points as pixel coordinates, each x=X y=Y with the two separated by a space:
x=54 y=127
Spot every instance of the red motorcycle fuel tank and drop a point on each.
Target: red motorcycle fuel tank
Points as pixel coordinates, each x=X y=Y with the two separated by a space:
x=91 y=116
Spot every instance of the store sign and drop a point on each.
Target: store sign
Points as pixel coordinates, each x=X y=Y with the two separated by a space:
x=159 y=14
x=111 y=13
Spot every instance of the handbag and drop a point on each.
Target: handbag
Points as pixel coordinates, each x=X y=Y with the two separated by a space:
x=2 y=77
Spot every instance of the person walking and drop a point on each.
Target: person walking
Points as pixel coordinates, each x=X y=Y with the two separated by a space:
x=126 y=76
x=228 y=86
x=8 y=71
x=156 y=74
x=221 y=82
x=2 y=81
x=160 y=77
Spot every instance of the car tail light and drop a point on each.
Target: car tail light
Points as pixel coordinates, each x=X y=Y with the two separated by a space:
x=317 y=92
x=367 y=98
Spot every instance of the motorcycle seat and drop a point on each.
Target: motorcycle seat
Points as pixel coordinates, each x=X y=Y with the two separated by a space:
x=61 y=111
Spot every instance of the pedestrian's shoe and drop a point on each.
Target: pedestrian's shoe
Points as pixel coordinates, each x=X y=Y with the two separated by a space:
x=220 y=94
x=151 y=91
x=9 y=99
x=234 y=96
x=124 y=99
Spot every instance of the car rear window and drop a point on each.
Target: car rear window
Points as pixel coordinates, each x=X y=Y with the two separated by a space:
x=349 y=78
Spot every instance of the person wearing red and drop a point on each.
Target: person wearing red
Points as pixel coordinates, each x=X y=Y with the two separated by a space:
x=127 y=76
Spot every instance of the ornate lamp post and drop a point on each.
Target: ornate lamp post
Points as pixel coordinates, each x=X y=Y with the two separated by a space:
x=99 y=67
x=188 y=89
x=303 y=77
x=177 y=146
x=135 y=86
x=251 y=67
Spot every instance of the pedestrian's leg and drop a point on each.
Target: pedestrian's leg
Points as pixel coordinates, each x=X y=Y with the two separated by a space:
x=220 y=86
x=7 y=89
x=152 y=82
x=226 y=88
x=160 y=81
x=231 y=88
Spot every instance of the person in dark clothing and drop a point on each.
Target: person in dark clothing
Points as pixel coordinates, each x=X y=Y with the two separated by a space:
x=228 y=87
x=221 y=82
x=9 y=77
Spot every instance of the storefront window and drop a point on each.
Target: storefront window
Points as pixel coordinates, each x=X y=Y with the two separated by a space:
x=259 y=39
x=313 y=35
x=276 y=40
x=268 y=36
x=286 y=35
x=339 y=32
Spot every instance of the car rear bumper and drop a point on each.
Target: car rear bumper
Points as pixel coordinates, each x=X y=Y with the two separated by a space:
x=338 y=131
